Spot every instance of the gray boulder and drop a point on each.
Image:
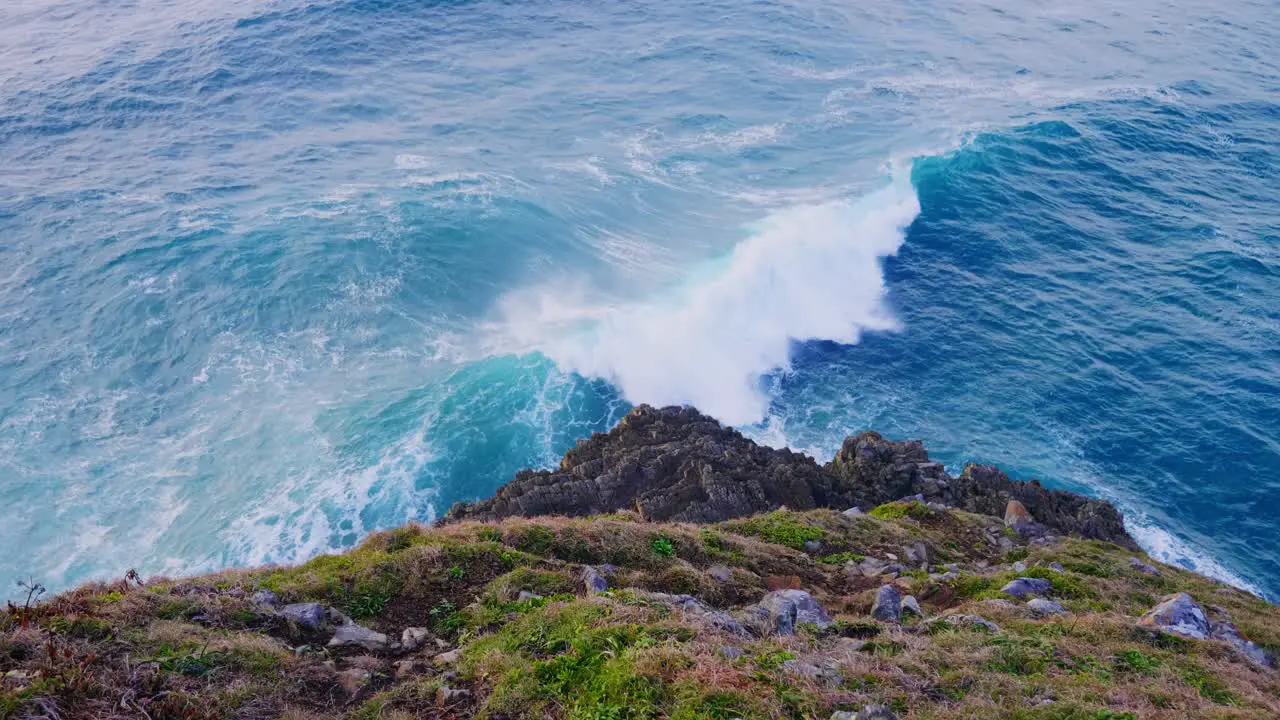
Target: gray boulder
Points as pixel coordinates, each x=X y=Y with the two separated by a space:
x=720 y=573
x=1221 y=628
x=413 y=638
x=853 y=512
x=1044 y=607
x=267 y=598
x=692 y=605
x=1178 y=615
x=782 y=610
x=350 y=634
x=888 y=604
x=813 y=547
x=596 y=578
x=911 y=606
x=1024 y=586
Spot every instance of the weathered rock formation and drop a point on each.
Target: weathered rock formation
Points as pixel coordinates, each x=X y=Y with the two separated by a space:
x=676 y=464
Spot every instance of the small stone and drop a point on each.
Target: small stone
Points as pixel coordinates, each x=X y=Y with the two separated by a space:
x=1017 y=517
x=972 y=621
x=844 y=715
x=1019 y=567
x=1179 y=615
x=447 y=658
x=1057 y=567
x=720 y=573
x=872 y=566
x=947 y=576
x=937 y=506
x=850 y=645
x=1143 y=568
x=730 y=652
x=446 y=694
x=911 y=606
x=525 y=595
x=405 y=669
x=875 y=712
x=351 y=634
x=917 y=555
x=312 y=616
x=595 y=581
x=1024 y=586
x=353 y=679
x=1042 y=606
x=813 y=547
x=853 y=512
x=413 y=638
x=888 y=604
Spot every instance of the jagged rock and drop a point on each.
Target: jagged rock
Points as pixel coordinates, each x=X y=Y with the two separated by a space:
x=1042 y=606
x=912 y=606
x=266 y=598
x=413 y=638
x=1221 y=628
x=1024 y=586
x=668 y=464
x=782 y=610
x=596 y=578
x=1143 y=568
x=676 y=464
x=311 y=616
x=1179 y=615
x=351 y=680
x=351 y=634
x=813 y=547
x=888 y=604
x=720 y=573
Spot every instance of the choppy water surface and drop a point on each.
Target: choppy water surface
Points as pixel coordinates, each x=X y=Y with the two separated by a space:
x=276 y=274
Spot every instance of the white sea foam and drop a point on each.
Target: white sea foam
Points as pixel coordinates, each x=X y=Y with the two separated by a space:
x=1169 y=548
x=804 y=273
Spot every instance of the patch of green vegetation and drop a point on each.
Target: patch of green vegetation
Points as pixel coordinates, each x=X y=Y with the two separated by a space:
x=401 y=539
x=841 y=558
x=445 y=618
x=490 y=534
x=898 y=509
x=779 y=527
x=1209 y=687
x=1016 y=555
x=81 y=627
x=861 y=629
x=177 y=609
x=1136 y=661
x=1019 y=656
x=663 y=546
x=536 y=539
x=456 y=572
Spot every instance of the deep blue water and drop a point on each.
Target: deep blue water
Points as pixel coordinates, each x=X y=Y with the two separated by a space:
x=277 y=274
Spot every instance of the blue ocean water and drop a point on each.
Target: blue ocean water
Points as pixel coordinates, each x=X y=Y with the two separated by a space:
x=275 y=274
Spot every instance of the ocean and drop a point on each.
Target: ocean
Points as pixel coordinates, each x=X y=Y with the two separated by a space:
x=277 y=274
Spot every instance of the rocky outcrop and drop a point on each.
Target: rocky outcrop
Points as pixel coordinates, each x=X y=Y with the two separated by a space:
x=1178 y=615
x=676 y=464
x=782 y=611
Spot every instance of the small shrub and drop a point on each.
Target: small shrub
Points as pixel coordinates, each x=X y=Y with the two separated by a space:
x=898 y=509
x=1135 y=661
x=841 y=558
x=664 y=547
x=490 y=534
x=779 y=527
x=457 y=573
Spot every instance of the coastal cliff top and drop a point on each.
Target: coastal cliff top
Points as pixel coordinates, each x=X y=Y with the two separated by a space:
x=673 y=569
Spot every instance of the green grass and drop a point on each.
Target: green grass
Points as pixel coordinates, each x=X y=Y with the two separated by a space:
x=898 y=509
x=779 y=527
x=663 y=546
x=841 y=558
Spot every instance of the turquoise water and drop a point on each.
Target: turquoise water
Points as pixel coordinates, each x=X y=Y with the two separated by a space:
x=277 y=274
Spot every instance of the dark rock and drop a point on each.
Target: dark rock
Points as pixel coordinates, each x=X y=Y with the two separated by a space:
x=813 y=547
x=1178 y=615
x=1024 y=586
x=781 y=611
x=676 y=464
x=716 y=618
x=888 y=604
x=311 y=616
x=669 y=464
x=413 y=638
